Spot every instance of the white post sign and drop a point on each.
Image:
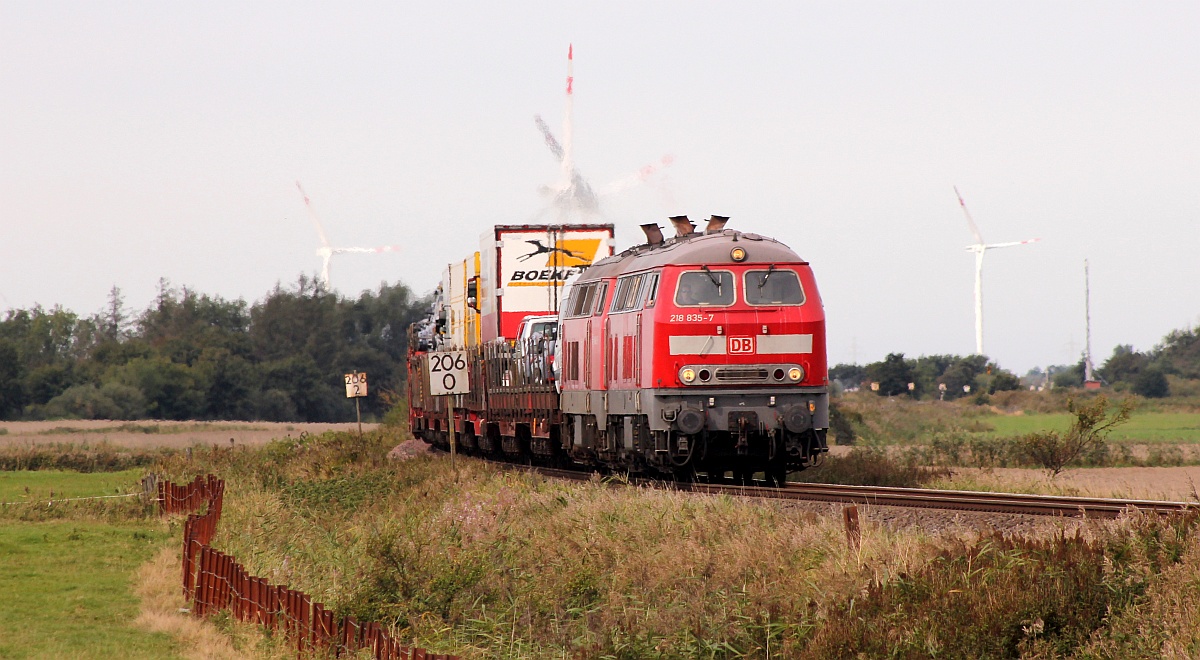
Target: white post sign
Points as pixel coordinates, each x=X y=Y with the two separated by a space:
x=448 y=373
x=356 y=385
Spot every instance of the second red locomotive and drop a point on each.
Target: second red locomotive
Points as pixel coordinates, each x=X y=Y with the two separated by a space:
x=699 y=354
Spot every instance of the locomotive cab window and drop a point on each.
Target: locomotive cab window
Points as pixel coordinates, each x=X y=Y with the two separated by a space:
x=773 y=287
x=702 y=288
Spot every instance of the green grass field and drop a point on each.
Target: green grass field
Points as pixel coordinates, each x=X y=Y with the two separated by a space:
x=1143 y=427
x=24 y=485
x=67 y=590
x=66 y=585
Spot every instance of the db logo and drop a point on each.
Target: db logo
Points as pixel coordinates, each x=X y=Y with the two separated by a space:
x=741 y=344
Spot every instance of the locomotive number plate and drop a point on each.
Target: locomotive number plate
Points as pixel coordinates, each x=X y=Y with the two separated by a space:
x=741 y=345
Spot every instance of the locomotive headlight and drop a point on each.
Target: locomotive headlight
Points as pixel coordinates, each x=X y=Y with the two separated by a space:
x=795 y=374
x=687 y=374
x=738 y=254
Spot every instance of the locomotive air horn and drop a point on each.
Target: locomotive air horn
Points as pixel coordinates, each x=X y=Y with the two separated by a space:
x=683 y=226
x=653 y=233
x=716 y=223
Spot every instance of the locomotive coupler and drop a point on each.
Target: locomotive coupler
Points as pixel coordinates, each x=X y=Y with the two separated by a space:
x=795 y=445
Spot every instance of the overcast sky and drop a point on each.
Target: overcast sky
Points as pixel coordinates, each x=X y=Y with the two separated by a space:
x=162 y=139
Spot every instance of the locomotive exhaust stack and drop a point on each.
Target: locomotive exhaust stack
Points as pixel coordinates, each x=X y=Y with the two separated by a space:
x=683 y=226
x=654 y=235
x=716 y=223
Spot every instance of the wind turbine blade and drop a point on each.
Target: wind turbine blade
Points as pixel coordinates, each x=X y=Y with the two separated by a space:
x=970 y=220
x=366 y=250
x=551 y=141
x=640 y=176
x=312 y=212
x=1004 y=245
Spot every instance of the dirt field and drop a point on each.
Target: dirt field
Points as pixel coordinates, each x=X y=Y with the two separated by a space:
x=152 y=433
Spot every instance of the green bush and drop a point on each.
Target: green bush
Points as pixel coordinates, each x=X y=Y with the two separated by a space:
x=80 y=458
x=1152 y=384
x=842 y=424
x=865 y=466
x=1085 y=439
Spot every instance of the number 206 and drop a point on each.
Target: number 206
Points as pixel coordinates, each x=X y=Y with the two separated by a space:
x=447 y=362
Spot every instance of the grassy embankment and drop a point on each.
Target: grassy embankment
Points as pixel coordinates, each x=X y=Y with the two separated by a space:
x=66 y=568
x=965 y=434
x=488 y=563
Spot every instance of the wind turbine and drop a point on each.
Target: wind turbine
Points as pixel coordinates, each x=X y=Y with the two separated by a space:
x=979 y=248
x=572 y=194
x=326 y=252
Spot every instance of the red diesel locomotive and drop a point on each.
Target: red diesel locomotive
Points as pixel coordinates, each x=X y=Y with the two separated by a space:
x=699 y=354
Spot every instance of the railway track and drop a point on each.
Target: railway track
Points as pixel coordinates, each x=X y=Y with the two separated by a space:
x=1039 y=505
x=959 y=500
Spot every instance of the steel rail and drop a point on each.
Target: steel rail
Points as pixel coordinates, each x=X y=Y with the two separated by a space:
x=981 y=501
x=956 y=500
x=885 y=496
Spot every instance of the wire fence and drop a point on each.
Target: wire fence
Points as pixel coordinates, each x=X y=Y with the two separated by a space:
x=50 y=502
x=214 y=581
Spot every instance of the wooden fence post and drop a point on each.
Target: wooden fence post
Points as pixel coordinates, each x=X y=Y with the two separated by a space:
x=853 y=531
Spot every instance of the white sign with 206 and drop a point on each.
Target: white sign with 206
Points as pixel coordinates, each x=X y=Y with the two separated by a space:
x=448 y=373
x=356 y=385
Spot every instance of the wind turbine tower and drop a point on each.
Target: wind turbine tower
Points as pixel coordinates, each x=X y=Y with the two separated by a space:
x=980 y=248
x=1089 y=371
x=326 y=251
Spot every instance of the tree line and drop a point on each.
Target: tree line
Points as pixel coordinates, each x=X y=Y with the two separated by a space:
x=194 y=356
x=929 y=376
x=1146 y=373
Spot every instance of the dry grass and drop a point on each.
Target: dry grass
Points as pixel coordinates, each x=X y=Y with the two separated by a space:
x=1148 y=483
x=486 y=563
x=157 y=585
x=1164 y=624
x=158 y=433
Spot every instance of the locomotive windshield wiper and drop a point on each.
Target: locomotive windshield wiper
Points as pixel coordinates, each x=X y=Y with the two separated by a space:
x=715 y=280
x=763 y=281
